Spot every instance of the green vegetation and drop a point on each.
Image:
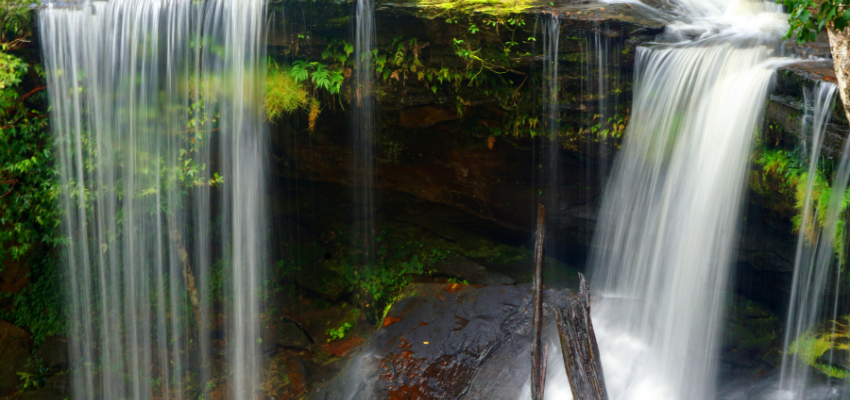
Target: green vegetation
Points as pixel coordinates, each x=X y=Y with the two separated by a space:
x=338 y=333
x=302 y=85
x=498 y=59
x=318 y=74
x=614 y=127
x=793 y=176
x=284 y=95
x=29 y=215
x=36 y=378
x=807 y=18
x=490 y=7
x=375 y=286
x=812 y=345
x=40 y=307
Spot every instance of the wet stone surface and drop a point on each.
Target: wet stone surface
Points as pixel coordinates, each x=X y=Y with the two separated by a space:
x=436 y=341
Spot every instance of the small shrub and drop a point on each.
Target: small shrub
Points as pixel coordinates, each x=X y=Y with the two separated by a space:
x=338 y=333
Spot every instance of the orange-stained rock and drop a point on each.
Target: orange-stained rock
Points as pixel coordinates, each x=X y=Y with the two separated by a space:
x=390 y=320
x=343 y=347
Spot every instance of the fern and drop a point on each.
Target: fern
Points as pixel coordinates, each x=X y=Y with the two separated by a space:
x=300 y=71
x=321 y=77
x=336 y=79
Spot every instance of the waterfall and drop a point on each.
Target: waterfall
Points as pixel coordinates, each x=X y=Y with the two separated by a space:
x=606 y=64
x=669 y=217
x=363 y=165
x=815 y=259
x=551 y=182
x=156 y=108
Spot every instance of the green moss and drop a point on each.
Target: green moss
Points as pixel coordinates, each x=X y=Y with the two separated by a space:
x=283 y=94
x=812 y=345
x=492 y=7
x=785 y=174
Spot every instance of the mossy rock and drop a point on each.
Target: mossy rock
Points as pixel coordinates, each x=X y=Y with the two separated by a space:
x=825 y=348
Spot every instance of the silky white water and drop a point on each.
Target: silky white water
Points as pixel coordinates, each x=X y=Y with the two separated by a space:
x=815 y=272
x=156 y=108
x=669 y=218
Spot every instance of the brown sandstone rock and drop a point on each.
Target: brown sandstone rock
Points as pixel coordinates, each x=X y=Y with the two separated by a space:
x=422 y=117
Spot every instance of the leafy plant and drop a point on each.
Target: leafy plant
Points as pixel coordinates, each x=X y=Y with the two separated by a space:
x=323 y=76
x=29 y=215
x=338 y=50
x=807 y=18
x=36 y=378
x=319 y=80
x=338 y=333
x=794 y=176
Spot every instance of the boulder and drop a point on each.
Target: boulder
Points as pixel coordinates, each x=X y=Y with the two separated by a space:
x=53 y=354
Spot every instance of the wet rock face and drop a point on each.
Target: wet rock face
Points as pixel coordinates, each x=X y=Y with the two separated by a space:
x=53 y=353
x=437 y=340
x=782 y=119
x=423 y=117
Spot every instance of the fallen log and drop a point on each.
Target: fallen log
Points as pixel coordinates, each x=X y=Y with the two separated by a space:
x=579 y=347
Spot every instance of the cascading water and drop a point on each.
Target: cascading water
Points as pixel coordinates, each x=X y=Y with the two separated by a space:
x=668 y=222
x=363 y=167
x=550 y=180
x=606 y=84
x=814 y=263
x=157 y=112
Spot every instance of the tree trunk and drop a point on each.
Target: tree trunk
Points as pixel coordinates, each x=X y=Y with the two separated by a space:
x=839 y=43
x=538 y=356
x=188 y=276
x=579 y=347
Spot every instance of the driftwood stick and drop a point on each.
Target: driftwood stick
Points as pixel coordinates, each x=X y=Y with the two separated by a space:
x=538 y=361
x=579 y=347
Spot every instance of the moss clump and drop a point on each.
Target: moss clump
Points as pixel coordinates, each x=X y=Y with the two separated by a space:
x=283 y=94
x=812 y=345
x=785 y=169
x=493 y=7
